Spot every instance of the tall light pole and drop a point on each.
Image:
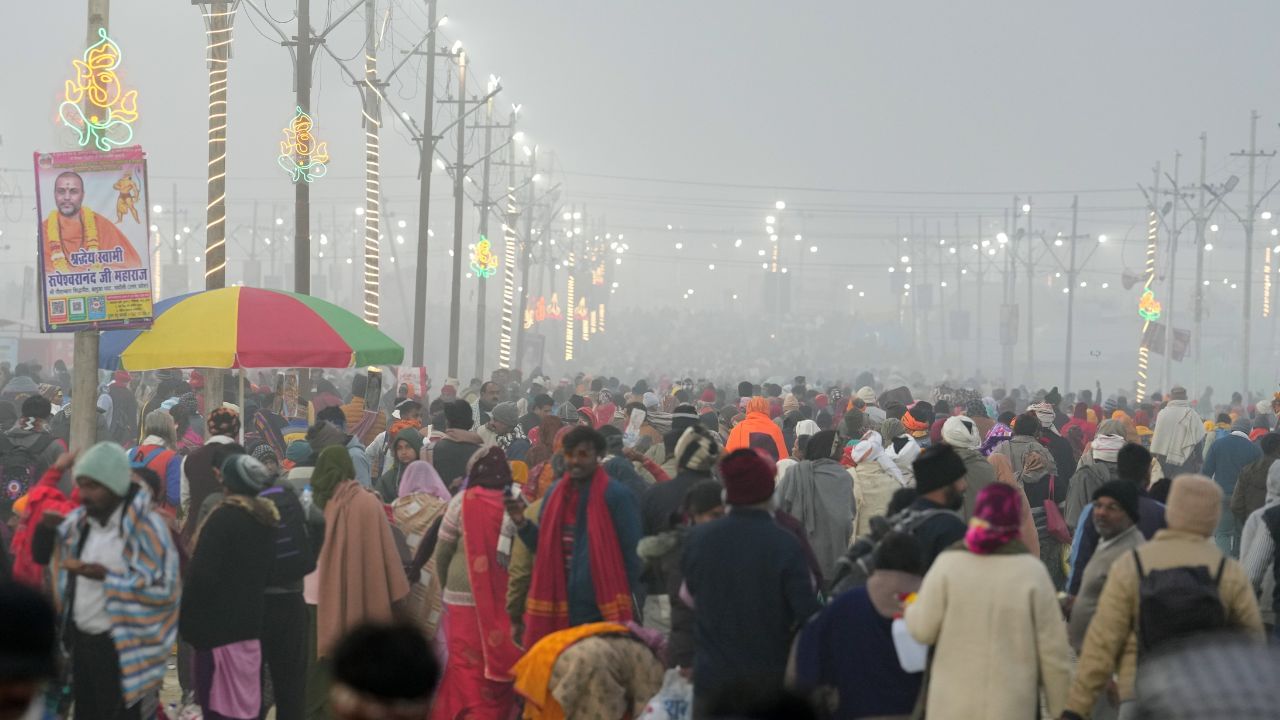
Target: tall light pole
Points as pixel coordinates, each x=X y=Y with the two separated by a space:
x=372 y=118
x=459 y=175
x=426 y=151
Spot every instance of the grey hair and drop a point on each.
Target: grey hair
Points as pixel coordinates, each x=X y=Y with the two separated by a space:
x=160 y=423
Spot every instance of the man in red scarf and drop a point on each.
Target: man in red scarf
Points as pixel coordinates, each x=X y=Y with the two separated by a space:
x=585 y=565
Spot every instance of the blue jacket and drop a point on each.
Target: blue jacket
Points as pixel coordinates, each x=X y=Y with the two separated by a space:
x=751 y=590
x=625 y=513
x=1226 y=458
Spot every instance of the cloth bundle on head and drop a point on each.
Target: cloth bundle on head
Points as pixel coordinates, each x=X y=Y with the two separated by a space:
x=224 y=422
x=1046 y=414
x=962 y=432
x=807 y=428
x=651 y=401
x=1106 y=446
x=997 y=519
x=871 y=449
x=748 y=476
x=937 y=467
x=107 y=464
x=243 y=475
x=1195 y=504
x=697 y=450
x=488 y=468
x=866 y=395
x=1124 y=492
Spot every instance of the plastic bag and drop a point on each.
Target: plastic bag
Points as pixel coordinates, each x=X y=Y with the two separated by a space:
x=912 y=656
x=673 y=702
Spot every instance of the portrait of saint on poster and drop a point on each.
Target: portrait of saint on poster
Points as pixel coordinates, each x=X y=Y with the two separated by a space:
x=94 y=254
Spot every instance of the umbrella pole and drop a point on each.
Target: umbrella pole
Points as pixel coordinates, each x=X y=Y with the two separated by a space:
x=240 y=399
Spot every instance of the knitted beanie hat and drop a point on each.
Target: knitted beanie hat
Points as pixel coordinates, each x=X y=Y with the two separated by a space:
x=697 y=450
x=224 y=421
x=1125 y=494
x=748 y=477
x=1195 y=504
x=937 y=467
x=107 y=464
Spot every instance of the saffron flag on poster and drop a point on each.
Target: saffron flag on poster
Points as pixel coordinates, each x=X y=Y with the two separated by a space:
x=94 y=253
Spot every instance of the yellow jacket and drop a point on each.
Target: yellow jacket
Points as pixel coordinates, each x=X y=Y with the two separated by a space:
x=1111 y=639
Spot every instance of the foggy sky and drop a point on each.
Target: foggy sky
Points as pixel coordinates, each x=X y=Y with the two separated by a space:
x=972 y=101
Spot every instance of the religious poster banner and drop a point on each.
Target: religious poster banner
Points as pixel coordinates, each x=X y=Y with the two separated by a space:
x=93 y=240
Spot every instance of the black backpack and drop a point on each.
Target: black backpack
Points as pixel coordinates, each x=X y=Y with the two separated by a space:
x=18 y=467
x=858 y=562
x=1177 y=603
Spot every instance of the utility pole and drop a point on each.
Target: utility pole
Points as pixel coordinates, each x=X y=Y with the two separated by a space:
x=459 y=174
x=1072 y=286
x=302 y=190
x=1174 y=232
x=482 y=286
x=1008 y=323
x=173 y=213
x=1251 y=214
x=372 y=160
x=426 y=149
x=977 y=305
x=509 y=241
x=84 y=410
x=1031 y=290
x=1197 y=344
x=218 y=53
x=526 y=256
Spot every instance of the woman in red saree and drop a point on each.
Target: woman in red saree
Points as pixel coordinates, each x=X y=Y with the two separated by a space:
x=472 y=556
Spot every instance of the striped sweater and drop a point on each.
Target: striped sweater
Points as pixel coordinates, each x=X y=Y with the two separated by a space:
x=142 y=601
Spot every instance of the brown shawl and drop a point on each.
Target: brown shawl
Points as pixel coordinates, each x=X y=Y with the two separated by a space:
x=360 y=570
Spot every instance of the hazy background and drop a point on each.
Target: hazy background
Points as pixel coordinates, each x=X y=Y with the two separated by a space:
x=873 y=121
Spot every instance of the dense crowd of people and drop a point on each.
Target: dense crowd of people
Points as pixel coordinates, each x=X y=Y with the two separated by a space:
x=668 y=548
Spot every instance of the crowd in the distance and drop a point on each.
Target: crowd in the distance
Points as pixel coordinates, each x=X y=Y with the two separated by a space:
x=665 y=549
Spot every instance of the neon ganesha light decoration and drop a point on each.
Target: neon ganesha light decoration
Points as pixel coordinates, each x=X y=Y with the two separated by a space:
x=1148 y=307
x=111 y=107
x=301 y=155
x=483 y=262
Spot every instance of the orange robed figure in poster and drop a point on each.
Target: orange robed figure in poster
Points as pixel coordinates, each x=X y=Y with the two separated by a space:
x=72 y=228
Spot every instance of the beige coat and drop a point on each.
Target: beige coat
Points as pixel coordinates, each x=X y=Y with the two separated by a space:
x=1111 y=640
x=998 y=637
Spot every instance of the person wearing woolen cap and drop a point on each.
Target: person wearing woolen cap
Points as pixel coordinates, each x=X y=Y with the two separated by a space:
x=748 y=582
x=1195 y=503
x=940 y=487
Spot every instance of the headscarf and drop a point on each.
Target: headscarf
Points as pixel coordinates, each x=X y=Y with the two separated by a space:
x=997 y=519
x=807 y=428
x=758 y=404
x=961 y=432
x=488 y=468
x=890 y=429
x=420 y=477
x=333 y=467
x=1046 y=414
x=871 y=449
